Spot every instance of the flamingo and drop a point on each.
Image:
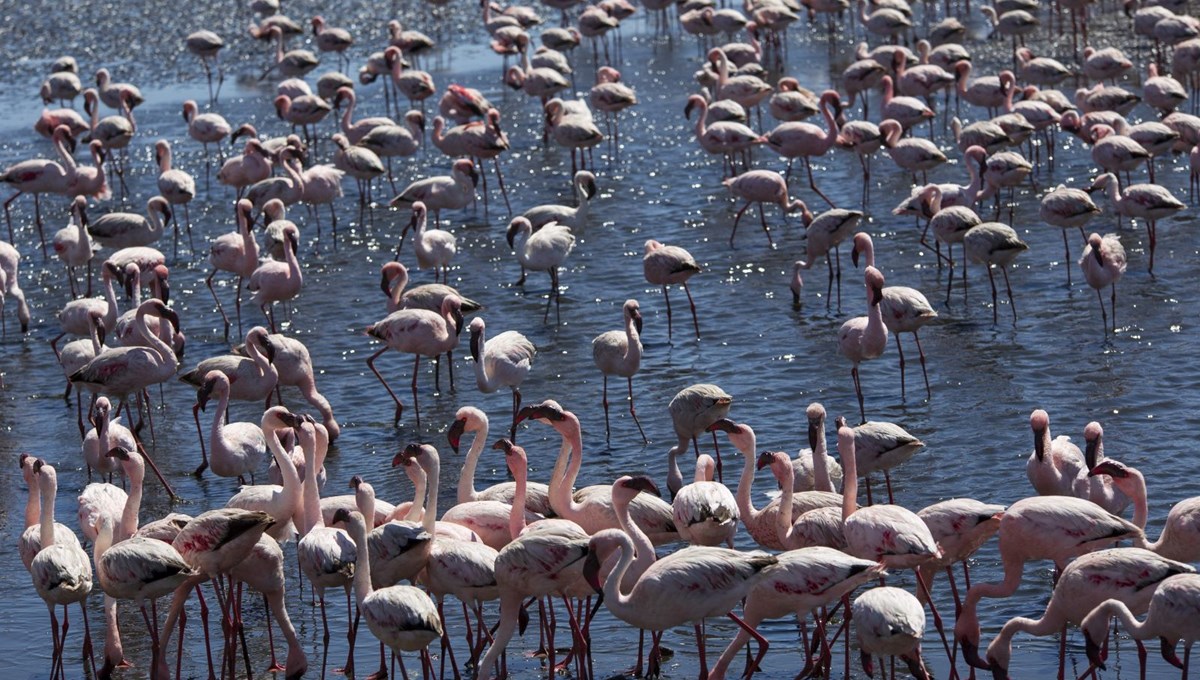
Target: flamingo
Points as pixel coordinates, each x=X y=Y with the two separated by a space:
x=1128 y=575
x=434 y=247
x=294 y=63
x=619 y=353
x=1178 y=540
x=355 y=131
x=724 y=137
x=360 y=163
x=239 y=448
x=394 y=282
x=572 y=126
x=329 y=39
x=806 y=140
x=1039 y=527
x=659 y=592
x=388 y=141
x=1150 y=202
x=693 y=409
x=36 y=177
x=275 y=281
x=207 y=45
x=1170 y=618
x=442 y=192
x=294 y=365
x=11 y=285
x=414 y=84
x=612 y=97
x=503 y=361
x=1103 y=264
x=865 y=337
x=175 y=185
x=289 y=190
x=113 y=93
x=908 y=111
x=106 y=433
x=812 y=468
x=138 y=569
x=402 y=617
x=420 y=332
x=1055 y=464
x=478 y=139
x=62 y=575
x=760 y=186
x=124 y=230
x=820 y=526
x=39 y=510
x=663 y=265
x=1067 y=208
x=472 y=420
x=890 y=622
x=113 y=132
x=904 y=309
x=591 y=507
x=242 y=171
x=235 y=252
x=993 y=243
x=881 y=446
x=73 y=244
x=825 y=233
x=279 y=501
x=544 y=250
x=705 y=512
x=77 y=316
x=584 y=184
x=251 y=377
x=206 y=128
x=960 y=526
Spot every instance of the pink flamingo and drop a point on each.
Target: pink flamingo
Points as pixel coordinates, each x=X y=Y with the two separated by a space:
x=723 y=137
x=206 y=128
x=252 y=166
x=807 y=140
x=235 y=252
x=394 y=283
x=330 y=39
x=760 y=186
x=274 y=281
x=477 y=139
x=693 y=409
x=10 y=285
x=663 y=265
x=36 y=177
x=1128 y=575
x=124 y=229
x=435 y=248
x=960 y=526
x=993 y=243
x=294 y=365
x=825 y=233
x=1171 y=617
x=904 y=309
x=705 y=511
x=502 y=361
x=1150 y=202
x=1103 y=264
x=890 y=622
x=356 y=130
x=442 y=192
x=619 y=353
x=865 y=337
x=281 y=501
x=1179 y=539
x=1055 y=464
x=238 y=449
x=1039 y=527
x=175 y=185
x=469 y=419
x=39 y=511
x=612 y=97
x=420 y=332
x=1068 y=208
x=252 y=377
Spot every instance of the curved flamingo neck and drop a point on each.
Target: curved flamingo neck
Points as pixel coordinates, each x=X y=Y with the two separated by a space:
x=821 y=479
x=142 y=328
x=479 y=349
x=746 y=482
x=633 y=342
x=643 y=549
x=466 y=480
x=357 y=529
x=398 y=286
x=432 y=467
x=364 y=500
x=416 y=509
x=701 y=120
x=249 y=246
x=287 y=469
x=618 y=601
x=868 y=254
x=787 y=479
x=516 y=516
x=849 y=477
x=136 y=471
x=348 y=114
x=674 y=474
x=566 y=469
x=893 y=135
x=219 y=415
x=439 y=131
x=889 y=91
x=33 y=505
x=831 y=128
x=68 y=160
x=581 y=195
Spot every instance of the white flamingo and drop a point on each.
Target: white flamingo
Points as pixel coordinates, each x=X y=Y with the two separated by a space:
x=435 y=248
x=1103 y=264
x=503 y=361
x=280 y=501
x=469 y=419
x=619 y=353
x=238 y=449
x=664 y=265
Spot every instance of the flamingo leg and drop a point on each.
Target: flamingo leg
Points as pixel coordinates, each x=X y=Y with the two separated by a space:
x=992 y=280
x=692 y=303
x=399 y=406
x=416 y=404
x=200 y=432
x=900 y=350
x=862 y=411
x=1011 y=303
x=1067 y=256
x=736 y=219
x=209 y=282
x=604 y=402
x=762 y=641
x=633 y=413
x=924 y=372
x=813 y=184
x=667 y=297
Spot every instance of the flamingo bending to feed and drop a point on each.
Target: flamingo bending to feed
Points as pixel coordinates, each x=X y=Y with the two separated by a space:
x=904 y=309
x=238 y=448
x=881 y=446
x=890 y=622
x=1103 y=264
x=435 y=248
x=294 y=365
x=825 y=233
x=693 y=409
x=806 y=140
x=62 y=575
x=620 y=353
x=760 y=186
x=1180 y=537
x=865 y=337
x=422 y=333
x=472 y=420
x=502 y=361
x=1128 y=575
x=1171 y=616
x=394 y=283
x=664 y=265
x=442 y=192
x=960 y=526
x=1039 y=527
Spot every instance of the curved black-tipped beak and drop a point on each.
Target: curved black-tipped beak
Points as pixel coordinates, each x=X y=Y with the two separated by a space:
x=725 y=425
x=540 y=411
x=637 y=321
x=854 y=256
x=591 y=572
x=268 y=348
x=589 y=188
x=355 y=481
x=814 y=433
x=455 y=433
x=204 y=393
x=503 y=444
x=1094 y=655
x=644 y=484
x=1108 y=467
x=385 y=284
x=1089 y=454
x=1168 y=653
x=292 y=420
x=971 y=655
x=765 y=459
x=342 y=516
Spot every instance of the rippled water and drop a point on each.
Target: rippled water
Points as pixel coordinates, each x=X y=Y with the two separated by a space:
x=774 y=359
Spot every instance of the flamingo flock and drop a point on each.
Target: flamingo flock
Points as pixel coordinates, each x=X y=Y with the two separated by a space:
x=596 y=551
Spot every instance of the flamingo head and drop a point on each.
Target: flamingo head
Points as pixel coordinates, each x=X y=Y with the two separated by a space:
x=356 y=481
x=343 y=515
x=118 y=452
x=514 y=77
x=862 y=241
x=768 y=459
x=638 y=484
x=389 y=273
x=411 y=452
x=998 y=655
x=516 y=226
x=1097 y=656
x=816 y=423
x=211 y=382
x=586 y=180
x=600 y=546
x=548 y=411
x=343 y=94
x=455 y=433
x=725 y=425
x=476 y=329
x=875 y=284
x=1095 y=242
x=694 y=101
x=26 y=461
x=261 y=338
x=634 y=312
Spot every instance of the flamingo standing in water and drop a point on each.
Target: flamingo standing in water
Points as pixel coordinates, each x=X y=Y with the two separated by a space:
x=435 y=248
x=1172 y=616
x=39 y=509
x=442 y=192
x=806 y=140
x=993 y=243
x=693 y=409
x=238 y=449
x=62 y=575
x=865 y=337
x=36 y=177
x=1066 y=208
x=175 y=185
x=1055 y=464
x=1180 y=539
x=422 y=333
x=1103 y=264
x=274 y=281
x=502 y=361
x=1150 y=202
x=760 y=186
x=620 y=353
x=545 y=250
x=281 y=501
x=904 y=309
x=890 y=622
x=472 y=420
x=10 y=284
x=206 y=128
x=705 y=511
x=825 y=233
x=73 y=244
x=664 y=265
x=481 y=140
x=235 y=252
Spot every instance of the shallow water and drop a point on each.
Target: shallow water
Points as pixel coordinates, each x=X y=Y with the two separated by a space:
x=774 y=359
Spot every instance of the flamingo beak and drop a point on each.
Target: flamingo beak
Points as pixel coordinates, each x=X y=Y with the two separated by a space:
x=455 y=433
x=765 y=459
x=591 y=572
x=1107 y=468
x=118 y=453
x=644 y=484
x=384 y=284
x=637 y=321
x=505 y=444
x=725 y=425
x=1093 y=651
x=854 y=255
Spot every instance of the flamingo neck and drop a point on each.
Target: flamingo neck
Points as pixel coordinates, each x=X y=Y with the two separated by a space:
x=164 y=165
x=633 y=342
x=365 y=501
x=869 y=251
x=516 y=516
x=701 y=121
x=674 y=474
x=133 y=502
x=33 y=505
x=831 y=131
x=787 y=481
x=312 y=495
x=261 y=362
x=439 y=131
x=416 y=508
x=617 y=601
x=1141 y=507
x=46 y=526
x=287 y=469
x=348 y=115
x=104 y=540
x=581 y=210
x=432 y=474
x=849 y=481
x=562 y=480
x=68 y=160
x=218 y=421
x=479 y=352
x=643 y=548
x=821 y=480
x=888 y=91
x=142 y=328
x=362 y=560
x=466 y=479
x=746 y=482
